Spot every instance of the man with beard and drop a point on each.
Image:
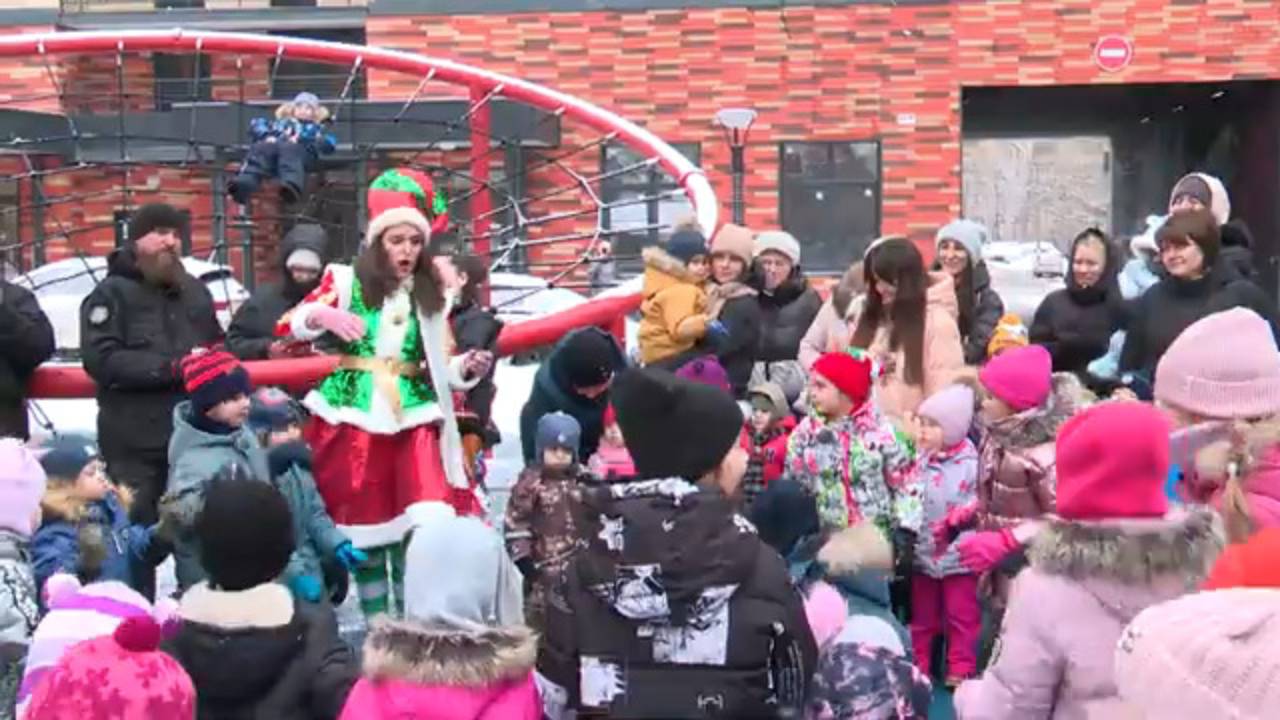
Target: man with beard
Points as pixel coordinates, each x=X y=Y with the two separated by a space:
x=135 y=326
x=303 y=254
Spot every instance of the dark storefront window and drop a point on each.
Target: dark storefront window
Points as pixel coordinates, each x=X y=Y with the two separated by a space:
x=829 y=195
x=644 y=219
x=181 y=78
x=325 y=80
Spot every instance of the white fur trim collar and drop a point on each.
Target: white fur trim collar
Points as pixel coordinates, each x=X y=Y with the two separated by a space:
x=264 y=606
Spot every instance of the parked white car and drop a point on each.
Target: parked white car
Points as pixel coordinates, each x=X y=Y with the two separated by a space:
x=61 y=286
x=1024 y=273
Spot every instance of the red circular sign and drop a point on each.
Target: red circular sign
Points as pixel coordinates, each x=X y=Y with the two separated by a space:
x=1113 y=53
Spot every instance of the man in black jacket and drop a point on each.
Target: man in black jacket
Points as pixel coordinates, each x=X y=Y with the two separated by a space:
x=26 y=340
x=303 y=254
x=145 y=316
x=574 y=379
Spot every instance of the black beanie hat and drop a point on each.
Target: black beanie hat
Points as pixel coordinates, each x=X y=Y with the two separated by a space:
x=590 y=357
x=245 y=531
x=685 y=245
x=153 y=216
x=674 y=427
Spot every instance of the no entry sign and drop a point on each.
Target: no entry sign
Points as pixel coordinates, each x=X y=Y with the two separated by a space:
x=1113 y=53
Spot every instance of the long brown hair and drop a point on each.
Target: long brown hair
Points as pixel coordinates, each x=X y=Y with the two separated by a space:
x=898 y=262
x=851 y=285
x=378 y=279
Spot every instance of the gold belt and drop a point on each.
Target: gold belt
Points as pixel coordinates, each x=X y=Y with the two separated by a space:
x=386 y=376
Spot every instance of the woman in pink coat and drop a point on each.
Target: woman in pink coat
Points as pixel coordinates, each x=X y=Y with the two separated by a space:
x=462 y=651
x=1115 y=549
x=908 y=324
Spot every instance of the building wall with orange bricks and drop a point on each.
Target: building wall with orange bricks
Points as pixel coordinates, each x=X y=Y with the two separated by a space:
x=845 y=72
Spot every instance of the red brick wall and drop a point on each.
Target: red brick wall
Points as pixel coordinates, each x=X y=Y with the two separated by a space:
x=844 y=73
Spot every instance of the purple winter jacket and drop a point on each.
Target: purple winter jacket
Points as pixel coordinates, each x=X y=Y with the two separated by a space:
x=1055 y=656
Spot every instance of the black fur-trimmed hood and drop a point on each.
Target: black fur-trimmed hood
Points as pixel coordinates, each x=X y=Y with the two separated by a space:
x=1184 y=545
x=399 y=650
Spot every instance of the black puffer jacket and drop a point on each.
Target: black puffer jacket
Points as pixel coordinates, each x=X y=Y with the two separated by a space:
x=1172 y=304
x=1075 y=324
x=26 y=340
x=987 y=309
x=132 y=334
x=1237 y=249
x=477 y=328
x=647 y=628
x=258 y=654
x=741 y=317
x=785 y=316
x=253 y=328
x=552 y=391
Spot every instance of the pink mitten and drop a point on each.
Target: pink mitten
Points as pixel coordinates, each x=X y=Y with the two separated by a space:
x=982 y=551
x=346 y=326
x=957 y=518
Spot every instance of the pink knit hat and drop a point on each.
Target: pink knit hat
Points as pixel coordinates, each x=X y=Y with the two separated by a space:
x=1207 y=655
x=1099 y=479
x=952 y=408
x=707 y=371
x=1224 y=366
x=22 y=483
x=1021 y=377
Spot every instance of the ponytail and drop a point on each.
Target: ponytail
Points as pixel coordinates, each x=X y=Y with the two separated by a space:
x=1235 y=505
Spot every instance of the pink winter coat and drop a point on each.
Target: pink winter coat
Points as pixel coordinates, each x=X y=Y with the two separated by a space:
x=415 y=673
x=943 y=352
x=1056 y=653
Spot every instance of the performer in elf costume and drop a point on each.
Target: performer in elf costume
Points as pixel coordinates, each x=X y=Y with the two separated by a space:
x=386 y=444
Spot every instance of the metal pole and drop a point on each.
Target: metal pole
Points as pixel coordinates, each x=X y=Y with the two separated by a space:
x=481 y=202
x=739 y=183
x=37 y=217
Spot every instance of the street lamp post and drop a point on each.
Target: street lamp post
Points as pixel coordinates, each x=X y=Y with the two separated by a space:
x=737 y=123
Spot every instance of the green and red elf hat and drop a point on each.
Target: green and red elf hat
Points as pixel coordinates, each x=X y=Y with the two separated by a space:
x=403 y=196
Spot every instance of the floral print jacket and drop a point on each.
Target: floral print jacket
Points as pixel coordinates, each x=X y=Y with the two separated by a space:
x=860 y=468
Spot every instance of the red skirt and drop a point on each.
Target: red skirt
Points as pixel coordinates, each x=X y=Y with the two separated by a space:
x=368 y=479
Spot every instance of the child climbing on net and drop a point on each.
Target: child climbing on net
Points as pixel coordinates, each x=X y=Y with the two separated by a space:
x=286 y=148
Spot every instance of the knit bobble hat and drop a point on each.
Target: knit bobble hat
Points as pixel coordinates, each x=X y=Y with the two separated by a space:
x=952 y=409
x=22 y=485
x=123 y=675
x=272 y=409
x=1206 y=188
x=155 y=216
x=972 y=235
x=780 y=242
x=1205 y=372
x=212 y=377
x=558 y=430
x=851 y=375
x=1009 y=333
x=403 y=196
x=306 y=98
x=67 y=455
x=245 y=531
x=589 y=357
x=1021 y=377
x=1253 y=563
x=706 y=371
x=685 y=245
x=674 y=427
x=733 y=240
x=1206 y=655
x=1099 y=479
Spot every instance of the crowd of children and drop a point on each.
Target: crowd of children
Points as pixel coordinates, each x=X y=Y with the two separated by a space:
x=1036 y=551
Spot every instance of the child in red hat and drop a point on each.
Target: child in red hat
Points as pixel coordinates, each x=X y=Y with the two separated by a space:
x=860 y=468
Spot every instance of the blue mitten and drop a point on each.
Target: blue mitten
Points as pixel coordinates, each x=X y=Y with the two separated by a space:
x=307 y=587
x=717 y=331
x=350 y=556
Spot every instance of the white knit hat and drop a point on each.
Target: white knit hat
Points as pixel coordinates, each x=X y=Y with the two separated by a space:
x=1219 y=202
x=778 y=241
x=969 y=233
x=1209 y=655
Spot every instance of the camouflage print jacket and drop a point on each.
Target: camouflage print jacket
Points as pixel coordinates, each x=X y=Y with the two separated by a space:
x=540 y=525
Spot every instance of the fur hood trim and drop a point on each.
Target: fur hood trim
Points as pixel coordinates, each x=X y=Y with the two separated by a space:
x=731 y=290
x=1040 y=425
x=655 y=258
x=857 y=548
x=1260 y=440
x=1184 y=543
x=264 y=606
x=60 y=502
x=422 y=655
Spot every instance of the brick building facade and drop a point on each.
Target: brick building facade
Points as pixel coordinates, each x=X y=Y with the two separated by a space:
x=882 y=84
